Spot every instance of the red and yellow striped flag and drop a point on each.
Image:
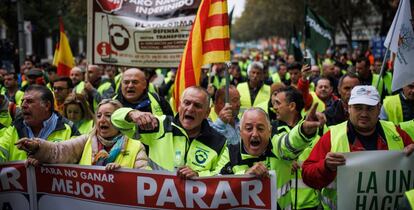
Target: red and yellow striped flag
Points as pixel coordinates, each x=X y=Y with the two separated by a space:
x=209 y=42
x=63 y=58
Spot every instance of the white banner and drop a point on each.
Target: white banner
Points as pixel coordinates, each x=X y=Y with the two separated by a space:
x=144 y=33
x=374 y=179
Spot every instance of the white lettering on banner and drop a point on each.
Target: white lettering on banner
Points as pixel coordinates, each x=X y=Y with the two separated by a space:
x=97 y=177
x=84 y=189
x=54 y=171
x=318 y=28
x=71 y=173
x=195 y=192
x=8 y=177
x=142 y=192
x=223 y=188
x=190 y=196
x=145 y=9
x=147 y=3
x=169 y=188
x=164 y=2
x=179 y=23
x=248 y=193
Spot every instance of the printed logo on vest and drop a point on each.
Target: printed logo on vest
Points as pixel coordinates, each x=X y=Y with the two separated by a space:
x=201 y=156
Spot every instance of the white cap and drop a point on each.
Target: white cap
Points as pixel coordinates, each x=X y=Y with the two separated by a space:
x=364 y=94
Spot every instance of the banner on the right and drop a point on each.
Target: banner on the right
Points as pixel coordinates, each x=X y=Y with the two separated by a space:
x=374 y=179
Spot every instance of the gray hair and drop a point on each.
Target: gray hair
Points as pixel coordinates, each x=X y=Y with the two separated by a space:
x=199 y=89
x=113 y=102
x=256 y=109
x=255 y=65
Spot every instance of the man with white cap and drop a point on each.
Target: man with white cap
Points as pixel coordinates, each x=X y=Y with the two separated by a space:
x=362 y=132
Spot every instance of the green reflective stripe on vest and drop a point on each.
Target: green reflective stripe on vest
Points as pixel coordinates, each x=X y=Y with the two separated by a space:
x=118 y=80
x=4 y=155
x=101 y=89
x=262 y=96
x=5 y=118
x=19 y=97
x=155 y=106
x=307 y=197
x=213 y=115
x=388 y=82
x=410 y=197
x=276 y=78
x=126 y=159
x=283 y=170
x=375 y=78
x=166 y=145
x=80 y=87
x=219 y=82
x=311 y=87
x=340 y=143
x=393 y=108
x=151 y=88
x=86 y=127
x=408 y=127
x=321 y=105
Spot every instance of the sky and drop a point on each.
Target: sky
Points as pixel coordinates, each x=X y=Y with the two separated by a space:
x=239 y=6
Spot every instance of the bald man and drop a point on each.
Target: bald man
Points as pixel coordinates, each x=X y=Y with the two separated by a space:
x=134 y=94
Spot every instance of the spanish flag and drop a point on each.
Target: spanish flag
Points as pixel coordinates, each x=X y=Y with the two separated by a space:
x=209 y=42
x=63 y=57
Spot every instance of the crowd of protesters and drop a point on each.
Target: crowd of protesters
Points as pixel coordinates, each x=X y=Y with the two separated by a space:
x=282 y=114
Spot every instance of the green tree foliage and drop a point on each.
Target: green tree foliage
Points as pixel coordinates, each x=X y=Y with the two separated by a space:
x=44 y=17
x=264 y=18
x=387 y=9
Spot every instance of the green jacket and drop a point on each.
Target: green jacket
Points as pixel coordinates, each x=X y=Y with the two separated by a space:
x=8 y=151
x=169 y=147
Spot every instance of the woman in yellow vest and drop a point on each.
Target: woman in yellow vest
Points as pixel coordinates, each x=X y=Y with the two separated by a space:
x=76 y=109
x=104 y=146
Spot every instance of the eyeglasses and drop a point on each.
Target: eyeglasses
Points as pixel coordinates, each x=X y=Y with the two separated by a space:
x=59 y=89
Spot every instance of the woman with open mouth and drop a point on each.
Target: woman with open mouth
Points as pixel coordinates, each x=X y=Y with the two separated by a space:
x=103 y=146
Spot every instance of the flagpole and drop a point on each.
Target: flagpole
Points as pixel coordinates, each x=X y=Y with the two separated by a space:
x=227 y=76
x=389 y=44
x=304 y=30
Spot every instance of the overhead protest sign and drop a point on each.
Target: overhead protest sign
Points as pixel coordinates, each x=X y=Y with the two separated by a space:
x=374 y=179
x=64 y=187
x=139 y=33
